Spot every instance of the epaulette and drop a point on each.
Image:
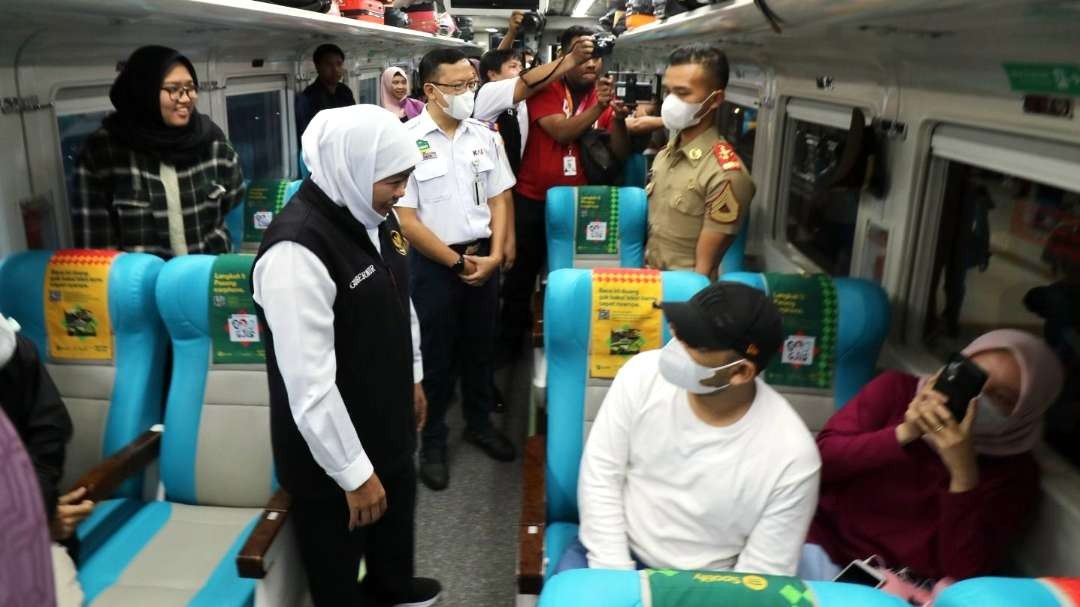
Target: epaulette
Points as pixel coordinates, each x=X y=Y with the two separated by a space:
x=726 y=156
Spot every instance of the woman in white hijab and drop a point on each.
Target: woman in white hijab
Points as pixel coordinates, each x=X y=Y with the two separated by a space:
x=342 y=342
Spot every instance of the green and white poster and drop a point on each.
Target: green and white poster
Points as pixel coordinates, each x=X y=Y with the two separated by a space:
x=263 y=202
x=809 y=307
x=235 y=333
x=669 y=588
x=597 y=223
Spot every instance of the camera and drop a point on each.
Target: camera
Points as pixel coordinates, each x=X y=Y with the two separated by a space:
x=603 y=44
x=533 y=21
x=633 y=88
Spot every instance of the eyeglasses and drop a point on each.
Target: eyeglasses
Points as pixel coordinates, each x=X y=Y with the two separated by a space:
x=176 y=92
x=460 y=88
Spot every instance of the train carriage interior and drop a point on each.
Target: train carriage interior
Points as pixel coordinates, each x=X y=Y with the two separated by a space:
x=922 y=157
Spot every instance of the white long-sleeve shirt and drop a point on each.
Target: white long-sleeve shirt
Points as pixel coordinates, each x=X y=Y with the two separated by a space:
x=658 y=482
x=297 y=296
x=496 y=97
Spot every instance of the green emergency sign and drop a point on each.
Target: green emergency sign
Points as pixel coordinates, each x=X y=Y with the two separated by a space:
x=1048 y=78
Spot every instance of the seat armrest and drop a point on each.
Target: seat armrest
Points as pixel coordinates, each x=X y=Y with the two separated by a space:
x=530 y=561
x=538 y=317
x=102 y=480
x=251 y=560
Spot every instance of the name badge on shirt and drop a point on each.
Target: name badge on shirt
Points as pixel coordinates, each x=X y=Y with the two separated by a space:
x=569 y=166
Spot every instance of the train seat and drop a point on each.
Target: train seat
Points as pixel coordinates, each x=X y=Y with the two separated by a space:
x=551 y=461
x=572 y=245
x=862 y=326
x=610 y=588
x=247 y=220
x=197 y=545
x=1010 y=592
x=112 y=402
x=635 y=171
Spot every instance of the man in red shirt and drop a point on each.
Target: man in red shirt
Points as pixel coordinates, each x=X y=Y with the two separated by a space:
x=558 y=116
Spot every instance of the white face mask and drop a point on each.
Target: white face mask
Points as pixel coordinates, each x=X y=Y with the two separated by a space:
x=679 y=115
x=461 y=106
x=678 y=368
x=989 y=418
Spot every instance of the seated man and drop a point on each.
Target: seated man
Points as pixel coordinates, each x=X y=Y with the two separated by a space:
x=32 y=403
x=693 y=461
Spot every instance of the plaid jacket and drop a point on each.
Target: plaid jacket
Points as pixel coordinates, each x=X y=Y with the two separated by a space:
x=118 y=199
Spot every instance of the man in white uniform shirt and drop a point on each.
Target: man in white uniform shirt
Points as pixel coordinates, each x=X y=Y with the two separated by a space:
x=454 y=214
x=694 y=462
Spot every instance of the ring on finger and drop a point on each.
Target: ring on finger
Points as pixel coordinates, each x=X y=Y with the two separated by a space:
x=939 y=428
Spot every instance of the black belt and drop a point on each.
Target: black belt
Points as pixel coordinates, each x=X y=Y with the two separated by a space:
x=471 y=248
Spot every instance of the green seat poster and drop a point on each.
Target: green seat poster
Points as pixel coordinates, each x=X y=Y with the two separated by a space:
x=263 y=202
x=235 y=332
x=670 y=588
x=809 y=307
x=596 y=229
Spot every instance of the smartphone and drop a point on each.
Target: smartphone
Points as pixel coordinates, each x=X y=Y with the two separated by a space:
x=960 y=381
x=859 y=572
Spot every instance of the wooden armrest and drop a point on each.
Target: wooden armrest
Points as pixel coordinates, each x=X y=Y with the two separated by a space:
x=538 y=318
x=251 y=560
x=103 y=479
x=530 y=561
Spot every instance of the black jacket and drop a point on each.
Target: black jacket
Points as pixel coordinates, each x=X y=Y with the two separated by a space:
x=372 y=340
x=315 y=98
x=32 y=403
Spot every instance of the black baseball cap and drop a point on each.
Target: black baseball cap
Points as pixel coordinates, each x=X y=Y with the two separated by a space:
x=729 y=316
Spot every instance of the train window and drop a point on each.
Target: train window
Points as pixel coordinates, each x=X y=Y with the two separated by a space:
x=256 y=117
x=819 y=222
x=367 y=90
x=1002 y=250
x=738 y=125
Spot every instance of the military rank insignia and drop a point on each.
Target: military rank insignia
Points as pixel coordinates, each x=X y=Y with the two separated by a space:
x=722 y=206
x=726 y=156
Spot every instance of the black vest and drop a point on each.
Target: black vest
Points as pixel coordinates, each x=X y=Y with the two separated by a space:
x=372 y=340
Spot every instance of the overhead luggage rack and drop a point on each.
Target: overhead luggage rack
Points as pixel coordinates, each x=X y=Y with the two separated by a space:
x=220 y=16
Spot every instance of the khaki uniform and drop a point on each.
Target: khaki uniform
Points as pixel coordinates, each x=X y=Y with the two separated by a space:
x=700 y=185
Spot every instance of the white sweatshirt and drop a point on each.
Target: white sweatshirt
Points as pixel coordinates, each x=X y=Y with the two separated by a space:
x=658 y=482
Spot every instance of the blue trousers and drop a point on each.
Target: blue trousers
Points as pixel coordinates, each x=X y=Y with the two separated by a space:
x=457 y=339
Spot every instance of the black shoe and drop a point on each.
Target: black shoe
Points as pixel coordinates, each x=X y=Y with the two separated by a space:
x=423 y=593
x=434 y=472
x=500 y=402
x=493 y=443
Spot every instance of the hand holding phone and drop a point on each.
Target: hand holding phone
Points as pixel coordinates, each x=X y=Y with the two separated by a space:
x=960 y=381
x=862 y=573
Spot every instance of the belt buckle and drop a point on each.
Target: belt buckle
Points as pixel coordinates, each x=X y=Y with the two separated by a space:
x=472 y=249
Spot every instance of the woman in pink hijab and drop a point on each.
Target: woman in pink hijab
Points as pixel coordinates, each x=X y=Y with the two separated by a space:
x=395 y=91
x=903 y=480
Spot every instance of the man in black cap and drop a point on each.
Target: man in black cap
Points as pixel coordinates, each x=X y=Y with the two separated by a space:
x=694 y=462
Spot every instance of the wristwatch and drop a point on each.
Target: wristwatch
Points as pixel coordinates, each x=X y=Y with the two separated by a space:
x=459 y=265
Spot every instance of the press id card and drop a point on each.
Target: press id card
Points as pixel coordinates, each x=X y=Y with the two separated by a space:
x=569 y=166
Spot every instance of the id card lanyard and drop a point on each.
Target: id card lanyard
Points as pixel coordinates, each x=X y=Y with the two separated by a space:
x=569 y=163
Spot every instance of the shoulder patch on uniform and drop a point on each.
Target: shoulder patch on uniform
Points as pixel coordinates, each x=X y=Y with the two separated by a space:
x=722 y=206
x=726 y=156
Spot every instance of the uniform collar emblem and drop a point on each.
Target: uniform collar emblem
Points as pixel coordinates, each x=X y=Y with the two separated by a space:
x=400 y=244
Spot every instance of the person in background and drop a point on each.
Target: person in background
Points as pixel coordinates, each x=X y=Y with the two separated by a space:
x=330 y=283
x=643 y=125
x=694 y=462
x=158 y=177
x=906 y=481
x=529 y=58
x=33 y=405
x=395 y=94
x=559 y=115
x=453 y=213
x=699 y=190
x=328 y=91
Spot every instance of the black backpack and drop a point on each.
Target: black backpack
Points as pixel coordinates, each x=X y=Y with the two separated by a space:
x=601 y=166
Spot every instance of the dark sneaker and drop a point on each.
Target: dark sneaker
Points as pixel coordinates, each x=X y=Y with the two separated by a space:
x=497 y=446
x=424 y=593
x=434 y=472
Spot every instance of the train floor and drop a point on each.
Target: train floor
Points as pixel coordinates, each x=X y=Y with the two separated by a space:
x=467 y=534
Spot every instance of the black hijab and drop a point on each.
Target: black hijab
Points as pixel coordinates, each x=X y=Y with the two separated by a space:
x=137 y=122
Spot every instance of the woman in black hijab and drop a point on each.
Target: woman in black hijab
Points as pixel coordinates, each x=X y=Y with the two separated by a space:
x=158 y=177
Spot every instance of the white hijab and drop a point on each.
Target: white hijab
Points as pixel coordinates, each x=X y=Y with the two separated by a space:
x=8 y=329
x=348 y=149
